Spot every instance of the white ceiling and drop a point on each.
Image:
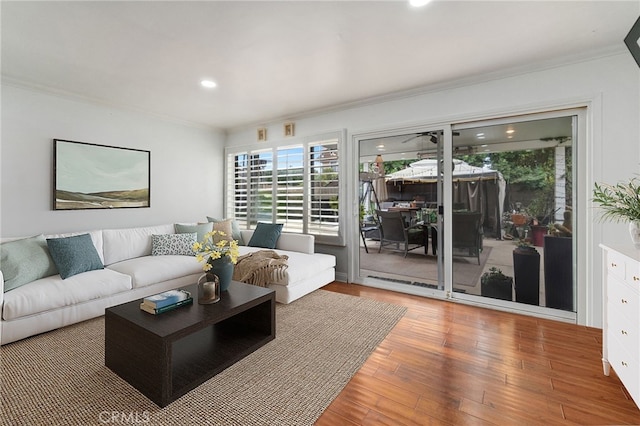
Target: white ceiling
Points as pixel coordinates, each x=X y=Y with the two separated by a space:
x=278 y=60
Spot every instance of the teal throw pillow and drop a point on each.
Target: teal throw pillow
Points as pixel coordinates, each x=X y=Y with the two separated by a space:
x=200 y=229
x=74 y=255
x=235 y=229
x=266 y=235
x=173 y=244
x=26 y=260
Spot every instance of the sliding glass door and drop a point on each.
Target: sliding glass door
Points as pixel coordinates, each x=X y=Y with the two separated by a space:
x=493 y=227
x=512 y=212
x=400 y=194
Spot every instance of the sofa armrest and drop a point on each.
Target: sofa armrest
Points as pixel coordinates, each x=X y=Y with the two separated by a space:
x=302 y=243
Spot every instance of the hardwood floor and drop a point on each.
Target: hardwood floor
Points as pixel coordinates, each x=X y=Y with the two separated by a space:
x=450 y=364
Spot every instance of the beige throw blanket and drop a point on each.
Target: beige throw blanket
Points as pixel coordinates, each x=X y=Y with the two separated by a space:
x=260 y=268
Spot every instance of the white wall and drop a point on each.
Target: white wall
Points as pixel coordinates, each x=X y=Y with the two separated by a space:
x=610 y=85
x=186 y=164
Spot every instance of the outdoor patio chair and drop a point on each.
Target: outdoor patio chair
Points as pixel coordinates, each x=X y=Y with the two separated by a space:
x=467 y=234
x=394 y=231
x=369 y=229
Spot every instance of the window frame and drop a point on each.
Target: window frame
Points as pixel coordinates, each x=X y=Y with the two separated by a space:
x=275 y=148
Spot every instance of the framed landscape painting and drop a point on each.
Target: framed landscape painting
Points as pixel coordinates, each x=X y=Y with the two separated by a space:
x=91 y=176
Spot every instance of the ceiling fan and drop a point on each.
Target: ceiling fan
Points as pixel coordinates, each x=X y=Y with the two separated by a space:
x=433 y=136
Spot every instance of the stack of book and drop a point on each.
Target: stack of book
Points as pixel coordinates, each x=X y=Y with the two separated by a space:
x=166 y=301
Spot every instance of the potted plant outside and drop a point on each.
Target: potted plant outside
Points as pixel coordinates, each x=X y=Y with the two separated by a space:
x=495 y=284
x=541 y=211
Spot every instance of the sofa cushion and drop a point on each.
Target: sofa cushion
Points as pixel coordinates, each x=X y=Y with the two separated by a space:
x=301 y=266
x=25 y=260
x=173 y=244
x=74 y=255
x=198 y=228
x=149 y=270
x=266 y=235
x=123 y=244
x=304 y=243
x=235 y=228
x=52 y=292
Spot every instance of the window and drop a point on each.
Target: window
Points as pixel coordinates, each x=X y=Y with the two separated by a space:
x=295 y=184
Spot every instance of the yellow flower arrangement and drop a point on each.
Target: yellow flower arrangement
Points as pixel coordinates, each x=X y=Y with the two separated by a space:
x=211 y=248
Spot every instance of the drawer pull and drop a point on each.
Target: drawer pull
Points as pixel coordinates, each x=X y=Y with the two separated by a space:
x=624 y=364
x=624 y=332
x=623 y=301
x=636 y=278
x=613 y=265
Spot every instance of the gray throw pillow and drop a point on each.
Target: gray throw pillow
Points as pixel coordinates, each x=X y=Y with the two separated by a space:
x=200 y=229
x=74 y=255
x=26 y=260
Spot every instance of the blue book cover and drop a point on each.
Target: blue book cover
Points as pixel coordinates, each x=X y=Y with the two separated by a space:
x=166 y=298
x=145 y=307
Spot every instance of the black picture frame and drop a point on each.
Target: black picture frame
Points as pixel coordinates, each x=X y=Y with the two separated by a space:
x=631 y=40
x=92 y=176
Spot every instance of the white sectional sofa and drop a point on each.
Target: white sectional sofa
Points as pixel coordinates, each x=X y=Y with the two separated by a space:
x=131 y=272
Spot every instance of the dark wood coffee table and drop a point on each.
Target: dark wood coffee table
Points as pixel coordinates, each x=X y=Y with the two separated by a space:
x=165 y=356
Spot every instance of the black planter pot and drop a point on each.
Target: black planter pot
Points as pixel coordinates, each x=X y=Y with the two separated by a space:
x=497 y=288
x=558 y=272
x=526 y=269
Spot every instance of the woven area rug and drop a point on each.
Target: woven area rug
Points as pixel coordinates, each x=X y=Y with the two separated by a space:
x=322 y=339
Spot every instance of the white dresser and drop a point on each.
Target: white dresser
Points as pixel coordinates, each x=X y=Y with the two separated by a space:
x=621 y=319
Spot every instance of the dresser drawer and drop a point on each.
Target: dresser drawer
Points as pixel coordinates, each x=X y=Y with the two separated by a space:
x=622 y=301
x=625 y=332
x=632 y=274
x=625 y=366
x=616 y=264
x=626 y=338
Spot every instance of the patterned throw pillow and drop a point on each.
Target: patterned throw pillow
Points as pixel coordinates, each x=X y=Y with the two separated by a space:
x=173 y=244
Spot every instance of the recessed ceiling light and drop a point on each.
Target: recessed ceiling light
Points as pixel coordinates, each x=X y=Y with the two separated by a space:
x=380 y=146
x=484 y=145
x=510 y=131
x=479 y=134
x=418 y=3
x=208 y=84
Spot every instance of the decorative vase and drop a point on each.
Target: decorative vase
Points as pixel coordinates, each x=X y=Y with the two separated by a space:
x=208 y=289
x=634 y=230
x=223 y=268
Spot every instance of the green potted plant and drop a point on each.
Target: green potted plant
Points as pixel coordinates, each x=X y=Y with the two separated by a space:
x=541 y=211
x=621 y=203
x=495 y=284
